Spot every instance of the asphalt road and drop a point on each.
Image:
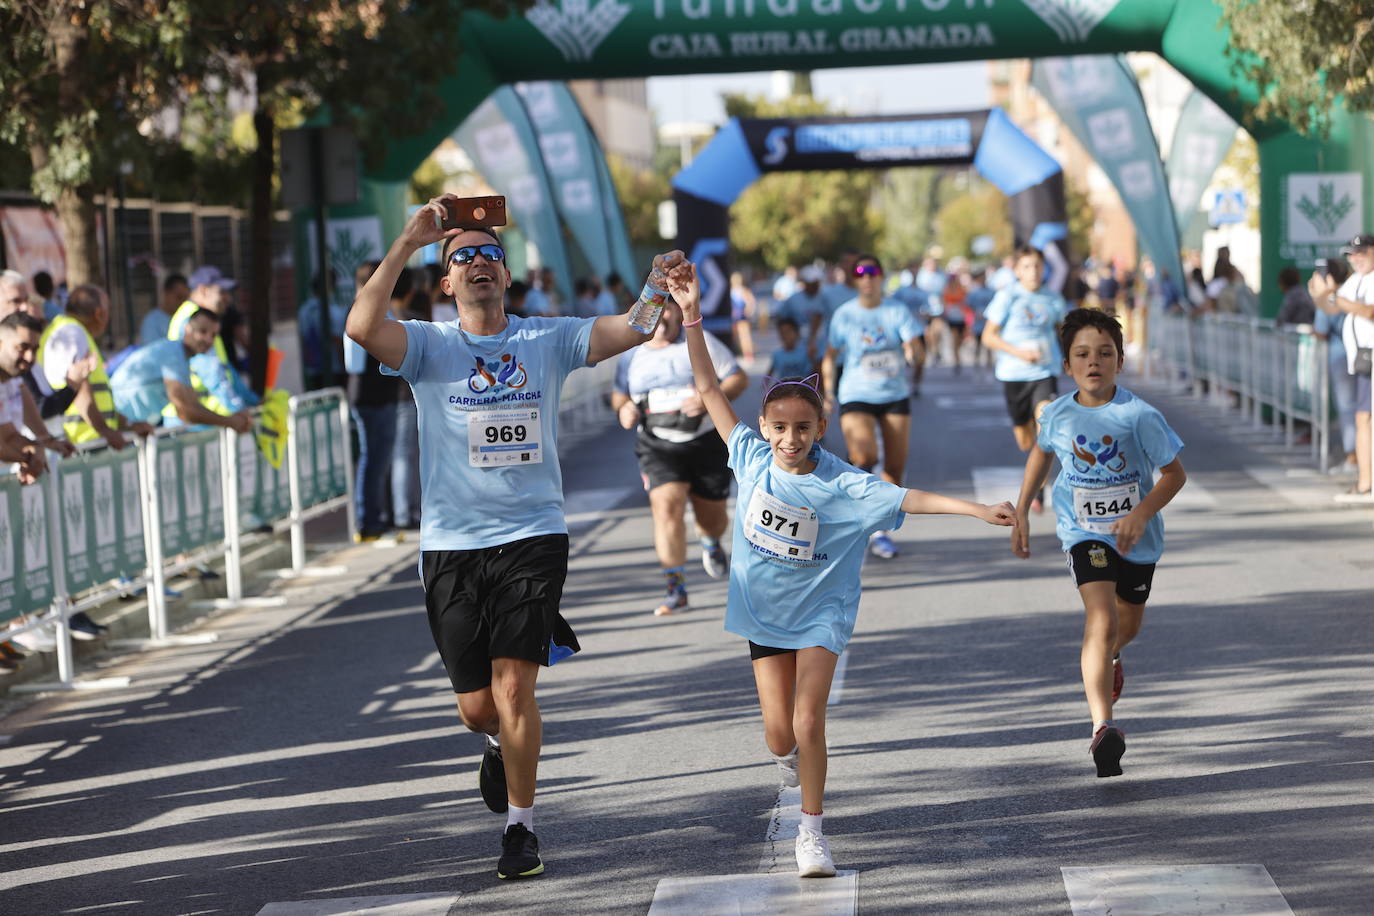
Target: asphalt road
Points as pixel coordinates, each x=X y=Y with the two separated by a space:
x=313 y=753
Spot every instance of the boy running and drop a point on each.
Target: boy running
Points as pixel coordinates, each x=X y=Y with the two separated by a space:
x=1109 y=443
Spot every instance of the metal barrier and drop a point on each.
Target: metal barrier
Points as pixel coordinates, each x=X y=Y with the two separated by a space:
x=1267 y=372
x=122 y=520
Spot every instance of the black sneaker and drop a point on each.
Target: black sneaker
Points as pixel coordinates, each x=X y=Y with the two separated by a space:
x=519 y=854
x=84 y=628
x=1107 y=747
x=491 y=779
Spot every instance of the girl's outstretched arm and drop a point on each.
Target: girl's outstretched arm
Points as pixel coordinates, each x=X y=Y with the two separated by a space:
x=919 y=502
x=685 y=289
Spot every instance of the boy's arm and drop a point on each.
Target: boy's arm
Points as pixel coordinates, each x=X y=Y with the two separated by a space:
x=1037 y=466
x=1128 y=530
x=685 y=289
x=919 y=502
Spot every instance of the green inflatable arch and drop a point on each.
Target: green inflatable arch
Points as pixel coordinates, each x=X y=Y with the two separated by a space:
x=605 y=39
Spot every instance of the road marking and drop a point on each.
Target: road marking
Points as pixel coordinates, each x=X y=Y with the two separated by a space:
x=1306 y=492
x=964 y=402
x=1178 y=890
x=392 y=905
x=779 y=842
x=757 y=895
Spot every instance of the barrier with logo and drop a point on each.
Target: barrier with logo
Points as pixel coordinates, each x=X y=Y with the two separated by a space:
x=119 y=521
x=1269 y=373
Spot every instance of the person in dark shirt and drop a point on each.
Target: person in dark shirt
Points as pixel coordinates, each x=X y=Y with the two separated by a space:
x=1297 y=306
x=373 y=397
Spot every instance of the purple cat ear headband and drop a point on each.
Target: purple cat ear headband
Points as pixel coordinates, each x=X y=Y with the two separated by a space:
x=812 y=381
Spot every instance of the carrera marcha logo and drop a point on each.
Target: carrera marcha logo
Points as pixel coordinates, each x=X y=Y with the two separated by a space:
x=491 y=376
x=1105 y=454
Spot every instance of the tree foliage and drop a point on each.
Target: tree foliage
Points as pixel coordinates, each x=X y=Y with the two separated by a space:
x=640 y=192
x=1303 y=55
x=795 y=217
x=979 y=210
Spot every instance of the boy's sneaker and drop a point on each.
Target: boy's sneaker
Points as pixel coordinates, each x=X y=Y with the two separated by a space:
x=813 y=855
x=491 y=778
x=787 y=767
x=881 y=546
x=676 y=601
x=1118 y=679
x=519 y=854
x=1108 y=745
x=716 y=562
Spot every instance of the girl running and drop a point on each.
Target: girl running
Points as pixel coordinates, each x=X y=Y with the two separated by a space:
x=798 y=547
x=1109 y=443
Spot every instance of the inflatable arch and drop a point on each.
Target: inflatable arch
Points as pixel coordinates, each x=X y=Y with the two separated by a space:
x=604 y=39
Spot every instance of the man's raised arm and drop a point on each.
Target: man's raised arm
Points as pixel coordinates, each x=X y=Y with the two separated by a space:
x=368 y=324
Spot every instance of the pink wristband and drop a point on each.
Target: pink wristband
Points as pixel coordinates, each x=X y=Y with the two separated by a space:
x=691 y=324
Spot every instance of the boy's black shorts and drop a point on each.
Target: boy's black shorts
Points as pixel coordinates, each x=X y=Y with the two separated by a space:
x=497 y=602
x=1096 y=561
x=1022 y=397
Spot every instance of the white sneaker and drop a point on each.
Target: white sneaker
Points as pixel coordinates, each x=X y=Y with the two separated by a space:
x=813 y=855
x=40 y=640
x=787 y=766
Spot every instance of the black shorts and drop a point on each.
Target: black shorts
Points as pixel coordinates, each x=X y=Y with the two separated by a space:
x=901 y=408
x=757 y=651
x=497 y=602
x=702 y=464
x=1096 y=561
x=1023 y=396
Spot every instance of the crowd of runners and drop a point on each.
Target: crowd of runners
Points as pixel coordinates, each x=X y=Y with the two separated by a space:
x=487 y=388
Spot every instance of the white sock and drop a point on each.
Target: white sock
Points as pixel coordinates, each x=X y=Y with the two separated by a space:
x=811 y=822
x=789 y=758
x=493 y=740
x=524 y=816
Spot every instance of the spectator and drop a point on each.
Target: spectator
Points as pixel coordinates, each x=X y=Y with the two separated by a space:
x=1356 y=299
x=175 y=291
x=1328 y=325
x=786 y=285
x=741 y=310
x=14 y=298
x=45 y=290
x=1297 y=307
x=548 y=283
x=309 y=323
x=585 y=294
x=613 y=299
x=158 y=375
x=806 y=307
x=373 y=396
x=515 y=298
x=69 y=339
x=19 y=338
x=14 y=294
x=536 y=303
x=215 y=380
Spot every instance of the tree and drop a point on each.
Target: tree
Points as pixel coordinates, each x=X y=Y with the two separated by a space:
x=980 y=210
x=640 y=192
x=795 y=217
x=1302 y=56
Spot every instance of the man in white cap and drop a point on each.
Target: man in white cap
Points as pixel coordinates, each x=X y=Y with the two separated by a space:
x=807 y=308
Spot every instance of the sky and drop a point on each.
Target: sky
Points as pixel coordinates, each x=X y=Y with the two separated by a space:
x=858 y=90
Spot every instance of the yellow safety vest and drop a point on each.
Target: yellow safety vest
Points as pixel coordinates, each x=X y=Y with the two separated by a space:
x=77 y=429
x=175 y=329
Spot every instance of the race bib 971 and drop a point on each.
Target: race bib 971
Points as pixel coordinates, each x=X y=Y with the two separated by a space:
x=504 y=436
x=778 y=528
x=1096 y=509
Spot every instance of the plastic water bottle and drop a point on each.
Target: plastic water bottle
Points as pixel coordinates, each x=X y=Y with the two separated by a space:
x=644 y=314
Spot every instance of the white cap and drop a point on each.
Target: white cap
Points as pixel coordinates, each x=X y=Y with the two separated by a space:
x=811 y=274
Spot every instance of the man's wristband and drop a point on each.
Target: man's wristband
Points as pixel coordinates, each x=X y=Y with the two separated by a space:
x=691 y=324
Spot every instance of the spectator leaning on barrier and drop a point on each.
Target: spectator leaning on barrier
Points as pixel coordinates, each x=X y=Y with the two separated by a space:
x=213 y=378
x=1356 y=299
x=14 y=299
x=19 y=336
x=373 y=397
x=159 y=375
x=1297 y=307
x=1328 y=325
x=70 y=338
x=175 y=291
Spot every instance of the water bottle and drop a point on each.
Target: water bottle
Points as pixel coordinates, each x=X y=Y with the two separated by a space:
x=644 y=314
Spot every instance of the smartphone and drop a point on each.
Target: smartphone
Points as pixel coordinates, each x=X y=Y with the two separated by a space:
x=473 y=212
x=1319 y=268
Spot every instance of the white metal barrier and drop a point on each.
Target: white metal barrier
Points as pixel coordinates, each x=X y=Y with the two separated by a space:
x=104 y=523
x=1276 y=376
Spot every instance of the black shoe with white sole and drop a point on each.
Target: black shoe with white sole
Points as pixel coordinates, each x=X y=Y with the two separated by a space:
x=519 y=854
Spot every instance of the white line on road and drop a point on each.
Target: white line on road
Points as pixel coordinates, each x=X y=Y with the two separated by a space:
x=757 y=895
x=392 y=905
x=837 y=683
x=1178 y=890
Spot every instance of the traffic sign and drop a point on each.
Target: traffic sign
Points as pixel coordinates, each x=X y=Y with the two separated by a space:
x=1229 y=206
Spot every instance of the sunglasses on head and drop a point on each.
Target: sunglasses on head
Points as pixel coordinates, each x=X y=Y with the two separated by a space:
x=868 y=270
x=465 y=254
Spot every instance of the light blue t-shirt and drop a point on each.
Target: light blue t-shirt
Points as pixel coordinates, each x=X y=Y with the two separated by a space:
x=1332 y=326
x=917 y=300
x=1108 y=456
x=800 y=307
x=1026 y=319
x=153 y=327
x=138 y=385
x=869 y=342
x=490 y=386
x=790 y=603
x=794 y=363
